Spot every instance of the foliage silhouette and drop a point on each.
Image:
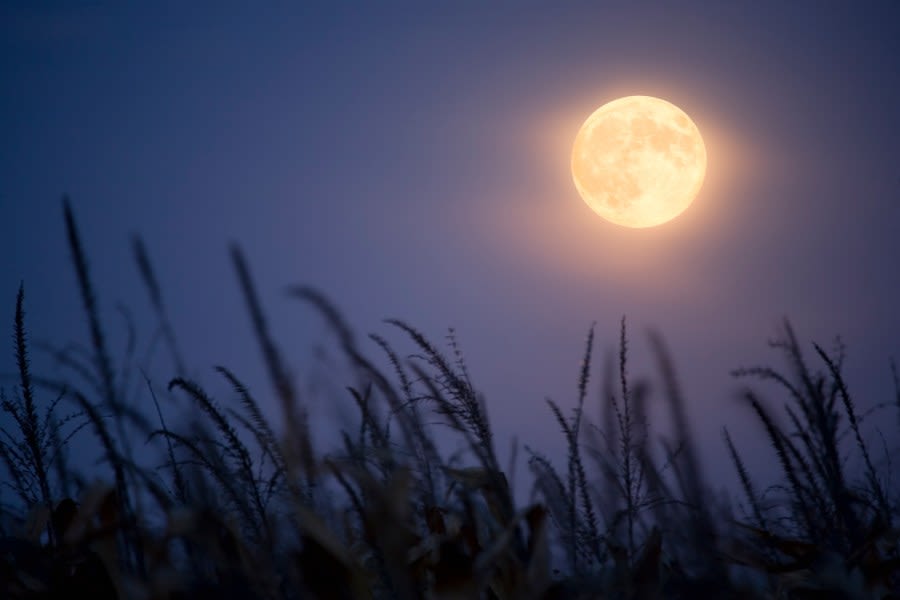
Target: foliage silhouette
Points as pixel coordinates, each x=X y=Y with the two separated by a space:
x=246 y=507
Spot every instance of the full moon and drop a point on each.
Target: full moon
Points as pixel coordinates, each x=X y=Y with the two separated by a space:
x=638 y=161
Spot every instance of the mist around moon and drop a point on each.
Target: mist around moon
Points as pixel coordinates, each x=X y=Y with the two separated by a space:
x=638 y=161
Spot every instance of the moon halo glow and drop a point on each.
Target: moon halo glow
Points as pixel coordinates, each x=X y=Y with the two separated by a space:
x=638 y=161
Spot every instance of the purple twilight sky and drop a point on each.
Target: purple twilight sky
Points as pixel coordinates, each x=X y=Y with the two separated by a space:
x=412 y=160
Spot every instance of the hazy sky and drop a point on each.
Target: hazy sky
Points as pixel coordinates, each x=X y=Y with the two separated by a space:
x=412 y=160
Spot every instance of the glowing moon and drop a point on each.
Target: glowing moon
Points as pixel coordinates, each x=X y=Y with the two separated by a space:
x=638 y=161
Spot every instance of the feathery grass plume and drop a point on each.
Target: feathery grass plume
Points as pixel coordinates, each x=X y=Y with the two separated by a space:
x=428 y=458
x=746 y=482
x=811 y=465
x=455 y=397
x=445 y=408
x=39 y=444
x=779 y=443
x=632 y=481
x=458 y=356
x=586 y=546
x=571 y=499
x=577 y=471
x=238 y=453
x=583 y=522
x=630 y=470
x=817 y=426
x=463 y=402
x=16 y=451
x=406 y=408
x=148 y=275
x=825 y=425
x=298 y=436
x=875 y=486
x=34 y=433
x=492 y=483
x=257 y=425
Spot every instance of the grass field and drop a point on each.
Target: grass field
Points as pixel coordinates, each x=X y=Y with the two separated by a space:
x=231 y=505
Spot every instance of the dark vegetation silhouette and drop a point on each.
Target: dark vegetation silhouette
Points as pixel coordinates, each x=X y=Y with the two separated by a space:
x=231 y=505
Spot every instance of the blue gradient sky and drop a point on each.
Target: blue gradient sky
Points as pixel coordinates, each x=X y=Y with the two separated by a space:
x=411 y=160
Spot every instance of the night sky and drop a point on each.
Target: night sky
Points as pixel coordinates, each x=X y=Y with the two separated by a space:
x=412 y=161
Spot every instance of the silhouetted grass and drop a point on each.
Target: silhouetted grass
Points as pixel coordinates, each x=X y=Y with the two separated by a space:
x=244 y=507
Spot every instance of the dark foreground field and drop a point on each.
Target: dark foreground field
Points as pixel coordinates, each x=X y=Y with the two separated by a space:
x=231 y=505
